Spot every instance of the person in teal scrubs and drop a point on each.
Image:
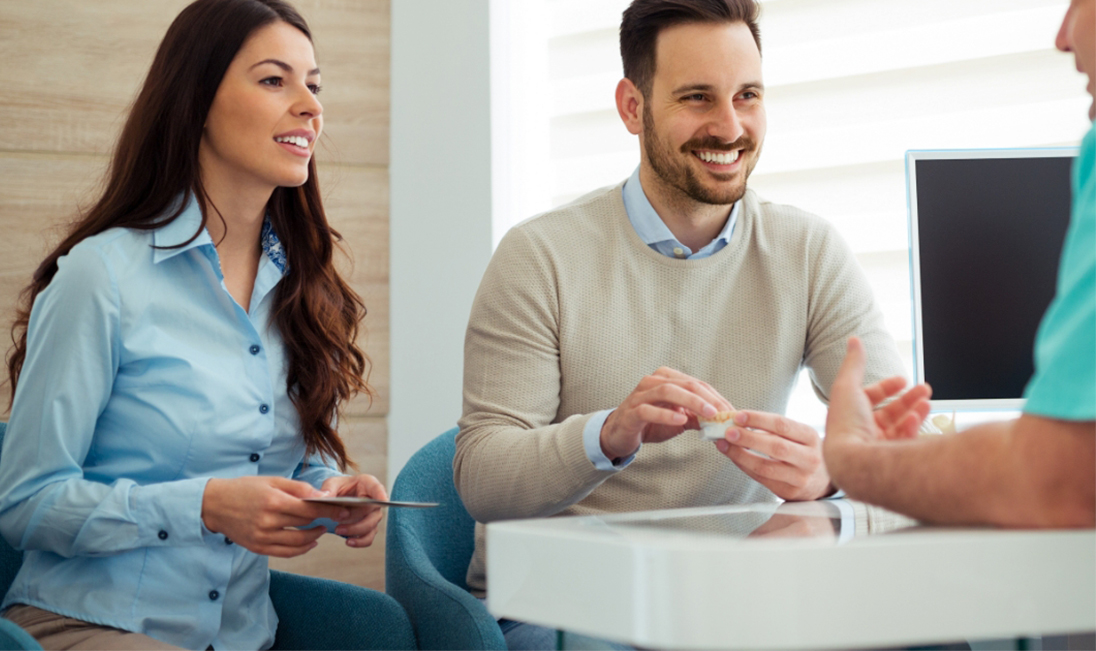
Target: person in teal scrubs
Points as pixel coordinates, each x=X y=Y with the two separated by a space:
x=1036 y=471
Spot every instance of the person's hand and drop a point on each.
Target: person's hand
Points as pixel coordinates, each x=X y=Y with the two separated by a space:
x=900 y=419
x=794 y=469
x=663 y=405
x=360 y=528
x=261 y=514
x=851 y=419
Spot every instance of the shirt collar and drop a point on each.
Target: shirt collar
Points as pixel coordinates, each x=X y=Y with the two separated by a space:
x=649 y=226
x=179 y=231
x=189 y=221
x=272 y=246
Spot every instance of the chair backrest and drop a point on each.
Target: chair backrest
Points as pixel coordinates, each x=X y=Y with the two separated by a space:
x=445 y=533
x=10 y=559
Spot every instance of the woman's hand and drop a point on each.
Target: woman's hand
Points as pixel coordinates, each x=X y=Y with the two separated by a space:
x=360 y=527
x=261 y=513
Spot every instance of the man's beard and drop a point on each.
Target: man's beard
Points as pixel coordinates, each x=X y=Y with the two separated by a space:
x=676 y=173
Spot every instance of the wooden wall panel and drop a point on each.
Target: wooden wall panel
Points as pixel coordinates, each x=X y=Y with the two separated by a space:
x=356 y=200
x=353 y=44
x=39 y=194
x=72 y=68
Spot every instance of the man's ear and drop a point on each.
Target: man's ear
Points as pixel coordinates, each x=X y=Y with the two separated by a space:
x=629 y=103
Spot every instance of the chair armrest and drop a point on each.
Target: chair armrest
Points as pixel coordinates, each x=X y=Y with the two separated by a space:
x=322 y=614
x=14 y=638
x=444 y=615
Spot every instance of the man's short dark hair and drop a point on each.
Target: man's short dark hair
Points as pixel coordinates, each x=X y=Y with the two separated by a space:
x=644 y=19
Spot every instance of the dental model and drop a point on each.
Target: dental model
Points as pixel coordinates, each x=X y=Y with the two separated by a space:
x=714 y=428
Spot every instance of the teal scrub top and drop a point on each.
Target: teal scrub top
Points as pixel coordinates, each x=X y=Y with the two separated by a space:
x=1064 y=384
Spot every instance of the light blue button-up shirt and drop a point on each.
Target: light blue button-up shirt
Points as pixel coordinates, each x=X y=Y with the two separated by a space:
x=655 y=234
x=143 y=379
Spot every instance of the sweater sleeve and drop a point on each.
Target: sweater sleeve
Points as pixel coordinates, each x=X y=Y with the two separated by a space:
x=841 y=305
x=513 y=459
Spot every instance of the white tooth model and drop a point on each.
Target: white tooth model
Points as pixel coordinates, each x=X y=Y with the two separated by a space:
x=715 y=428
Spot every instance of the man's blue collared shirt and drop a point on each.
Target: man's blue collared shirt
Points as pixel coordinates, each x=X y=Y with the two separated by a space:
x=655 y=234
x=143 y=379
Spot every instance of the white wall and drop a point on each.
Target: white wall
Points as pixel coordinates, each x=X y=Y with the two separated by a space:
x=440 y=209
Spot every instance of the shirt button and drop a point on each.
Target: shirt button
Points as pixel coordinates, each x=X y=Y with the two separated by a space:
x=679 y=252
x=213 y=594
x=228 y=541
x=254 y=457
x=263 y=409
x=162 y=535
x=254 y=350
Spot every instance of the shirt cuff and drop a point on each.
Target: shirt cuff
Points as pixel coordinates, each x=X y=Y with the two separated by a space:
x=314 y=472
x=326 y=523
x=170 y=513
x=591 y=441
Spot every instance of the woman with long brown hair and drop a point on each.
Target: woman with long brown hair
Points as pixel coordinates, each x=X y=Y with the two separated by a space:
x=180 y=359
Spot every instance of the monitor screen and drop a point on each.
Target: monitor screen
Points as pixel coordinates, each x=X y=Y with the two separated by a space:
x=986 y=232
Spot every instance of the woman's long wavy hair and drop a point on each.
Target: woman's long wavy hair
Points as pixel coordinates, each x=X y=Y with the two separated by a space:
x=156 y=160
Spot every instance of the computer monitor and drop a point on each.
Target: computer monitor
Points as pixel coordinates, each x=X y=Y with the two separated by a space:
x=986 y=232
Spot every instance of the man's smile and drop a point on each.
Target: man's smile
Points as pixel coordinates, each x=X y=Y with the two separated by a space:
x=719 y=161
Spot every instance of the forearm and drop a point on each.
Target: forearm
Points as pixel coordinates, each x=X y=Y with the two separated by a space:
x=76 y=517
x=932 y=478
x=1008 y=474
x=508 y=472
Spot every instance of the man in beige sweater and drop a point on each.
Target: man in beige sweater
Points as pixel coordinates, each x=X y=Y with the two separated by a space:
x=602 y=329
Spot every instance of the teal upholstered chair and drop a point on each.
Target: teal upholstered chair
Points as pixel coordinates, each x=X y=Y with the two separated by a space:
x=427 y=555
x=313 y=613
x=12 y=637
x=321 y=614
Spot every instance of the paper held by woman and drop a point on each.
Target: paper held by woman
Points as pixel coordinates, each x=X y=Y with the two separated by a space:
x=359 y=501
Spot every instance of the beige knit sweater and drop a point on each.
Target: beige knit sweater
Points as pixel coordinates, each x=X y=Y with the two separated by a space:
x=574 y=309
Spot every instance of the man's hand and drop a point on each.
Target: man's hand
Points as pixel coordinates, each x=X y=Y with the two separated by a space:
x=794 y=469
x=261 y=513
x=900 y=419
x=851 y=420
x=663 y=405
x=360 y=528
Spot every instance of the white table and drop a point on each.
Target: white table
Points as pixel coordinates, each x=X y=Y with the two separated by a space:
x=687 y=578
